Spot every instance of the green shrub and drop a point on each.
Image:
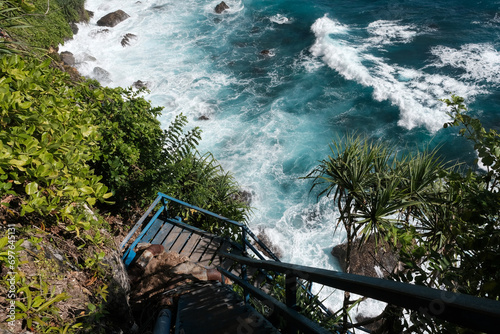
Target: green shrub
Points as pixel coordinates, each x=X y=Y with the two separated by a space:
x=200 y=180
x=46 y=141
x=48 y=25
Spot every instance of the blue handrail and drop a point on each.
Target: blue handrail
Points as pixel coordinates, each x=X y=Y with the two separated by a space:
x=164 y=199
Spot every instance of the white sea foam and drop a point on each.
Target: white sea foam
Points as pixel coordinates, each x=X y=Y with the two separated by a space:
x=415 y=92
x=280 y=19
x=480 y=62
x=391 y=32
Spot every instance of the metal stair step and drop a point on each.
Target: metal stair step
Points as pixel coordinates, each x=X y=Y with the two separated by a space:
x=171 y=238
x=212 y=308
x=152 y=231
x=165 y=230
x=190 y=245
x=181 y=241
x=200 y=249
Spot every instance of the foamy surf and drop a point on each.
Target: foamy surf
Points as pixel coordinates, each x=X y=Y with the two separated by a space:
x=416 y=95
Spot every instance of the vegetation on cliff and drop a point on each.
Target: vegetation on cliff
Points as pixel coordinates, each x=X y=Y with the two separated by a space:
x=441 y=219
x=77 y=160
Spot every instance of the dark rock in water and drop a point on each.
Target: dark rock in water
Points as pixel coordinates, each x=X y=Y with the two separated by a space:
x=369 y=260
x=87 y=57
x=221 y=7
x=373 y=326
x=68 y=58
x=112 y=19
x=96 y=32
x=262 y=235
x=162 y=8
x=127 y=39
x=90 y=14
x=101 y=74
x=243 y=196
x=203 y=118
x=74 y=28
x=140 y=84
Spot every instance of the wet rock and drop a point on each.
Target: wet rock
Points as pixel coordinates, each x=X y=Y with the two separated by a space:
x=162 y=8
x=243 y=196
x=369 y=260
x=97 y=32
x=87 y=57
x=221 y=7
x=140 y=84
x=74 y=28
x=128 y=39
x=90 y=14
x=67 y=58
x=262 y=235
x=267 y=53
x=101 y=74
x=112 y=19
x=203 y=118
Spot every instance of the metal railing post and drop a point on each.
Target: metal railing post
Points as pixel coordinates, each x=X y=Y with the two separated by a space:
x=291 y=298
x=244 y=276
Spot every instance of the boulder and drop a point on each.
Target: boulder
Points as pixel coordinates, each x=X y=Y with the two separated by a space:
x=74 y=28
x=221 y=7
x=140 y=84
x=262 y=235
x=128 y=39
x=369 y=260
x=67 y=58
x=101 y=74
x=88 y=57
x=243 y=196
x=112 y=19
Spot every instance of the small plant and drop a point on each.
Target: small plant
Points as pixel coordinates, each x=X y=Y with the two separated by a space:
x=36 y=305
x=9 y=251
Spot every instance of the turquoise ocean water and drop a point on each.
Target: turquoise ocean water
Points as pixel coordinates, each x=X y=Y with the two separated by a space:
x=332 y=67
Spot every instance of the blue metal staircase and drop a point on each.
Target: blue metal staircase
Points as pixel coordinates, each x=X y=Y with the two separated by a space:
x=241 y=260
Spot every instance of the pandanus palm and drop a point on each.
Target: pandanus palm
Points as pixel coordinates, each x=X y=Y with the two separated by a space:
x=375 y=190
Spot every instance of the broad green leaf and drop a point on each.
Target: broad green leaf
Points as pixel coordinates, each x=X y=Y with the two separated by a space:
x=31 y=188
x=86 y=190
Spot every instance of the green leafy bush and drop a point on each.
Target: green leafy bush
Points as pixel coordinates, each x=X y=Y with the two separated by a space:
x=10 y=18
x=200 y=180
x=47 y=24
x=442 y=222
x=46 y=141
